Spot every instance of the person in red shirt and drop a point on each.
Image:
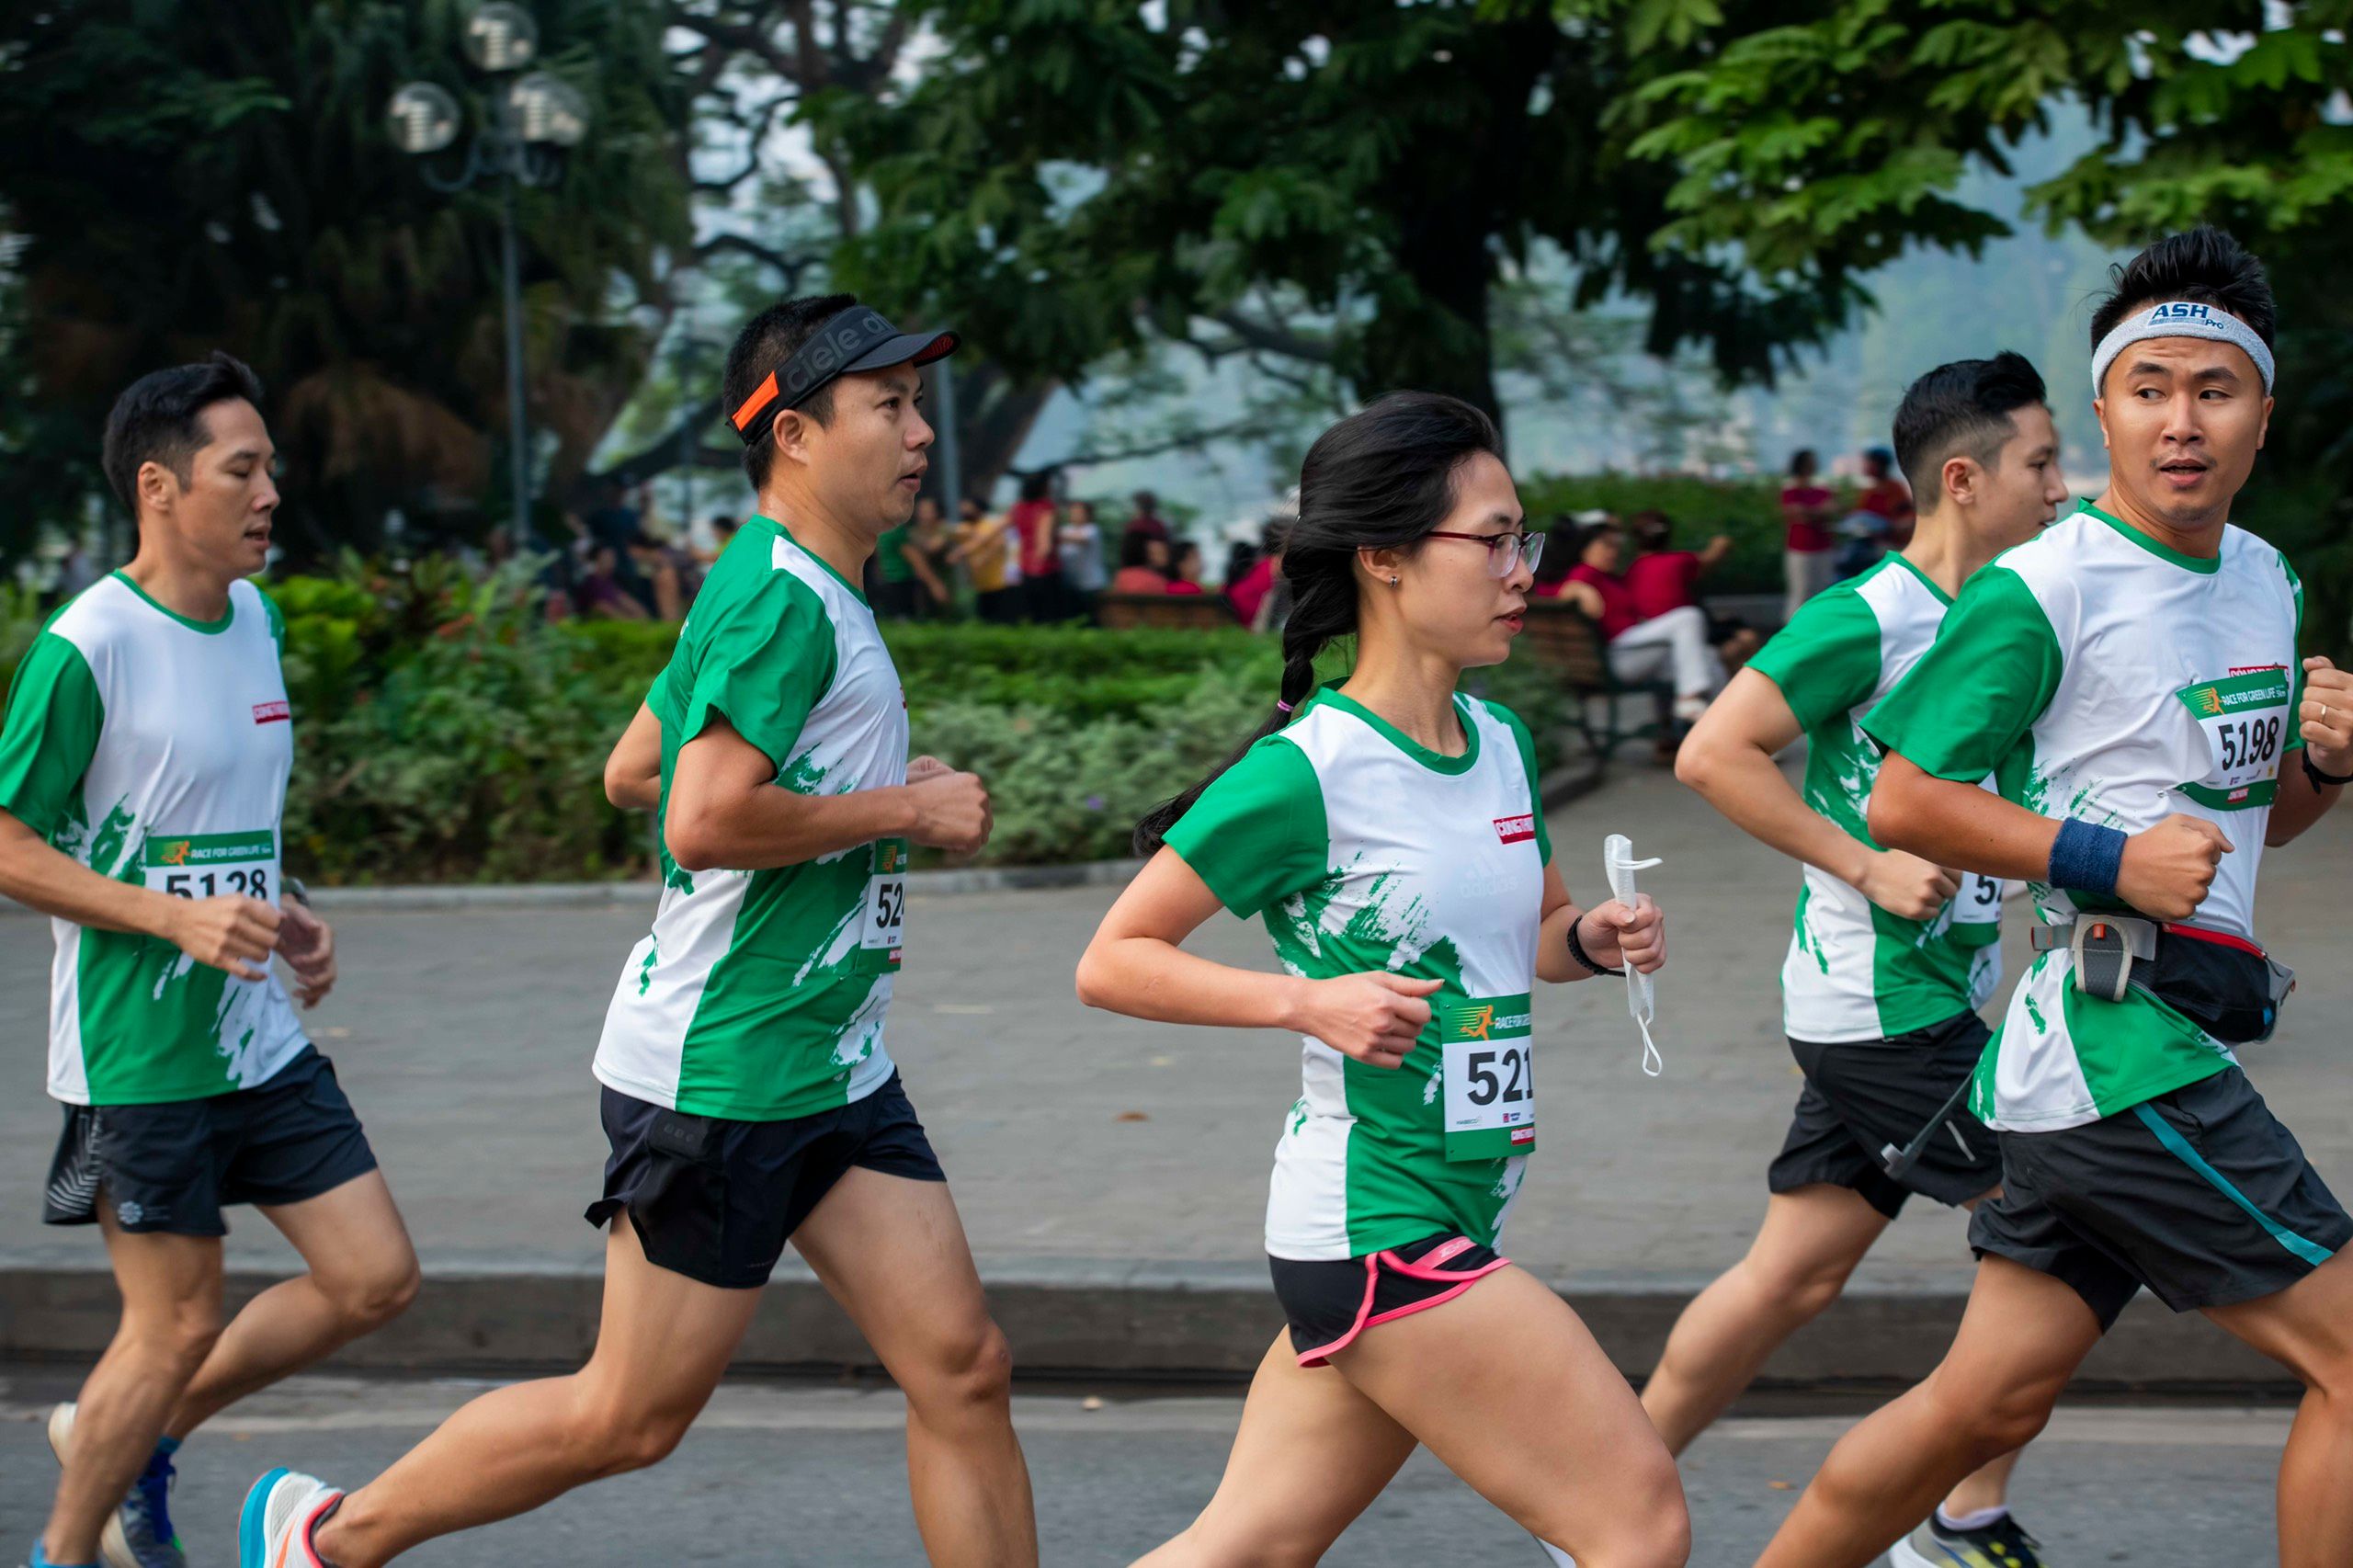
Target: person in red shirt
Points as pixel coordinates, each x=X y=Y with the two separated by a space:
x=1665 y=579
x=1184 y=573
x=1253 y=594
x=1032 y=520
x=1808 y=543
x=1674 y=644
x=1887 y=498
x=1143 y=559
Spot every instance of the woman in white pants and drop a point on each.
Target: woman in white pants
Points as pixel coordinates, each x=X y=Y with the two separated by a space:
x=1674 y=644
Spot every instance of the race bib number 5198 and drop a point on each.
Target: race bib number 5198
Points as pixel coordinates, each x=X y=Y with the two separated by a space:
x=1489 y=1076
x=2245 y=724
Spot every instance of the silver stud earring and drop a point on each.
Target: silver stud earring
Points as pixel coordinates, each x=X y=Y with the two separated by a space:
x=1393 y=579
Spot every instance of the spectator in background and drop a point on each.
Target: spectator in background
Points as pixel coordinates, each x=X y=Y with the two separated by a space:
x=613 y=524
x=1562 y=541
x=1254 y=593
x=1240 y=557
x=599 y=592
x=1079 y=541
x=722 y=530
x=1674 y=644
x=985 y=545
x=1807 y=558
x=1143 y=520
x=926 y=551
x=1143 y=565
x=1032 y=519
x=1663 y=579
x=1883 y=519
x=1185 y=568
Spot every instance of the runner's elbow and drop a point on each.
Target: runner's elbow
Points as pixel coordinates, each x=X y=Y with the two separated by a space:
x=1895 y=817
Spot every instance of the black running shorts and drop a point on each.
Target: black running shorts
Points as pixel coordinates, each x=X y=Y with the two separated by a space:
x=716 y=1200
x=171 y=1168
x=1331 y=1300
x=2200 y=1195
x=1862 y=1095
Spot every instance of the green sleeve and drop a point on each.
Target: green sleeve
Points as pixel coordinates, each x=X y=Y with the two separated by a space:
x=276 y=619
x=1257 y=834
x=1535 y=790
x=1826 y=660
x=765 y=662
x=54 y=717
x=2295 y=698
x=1988 y=679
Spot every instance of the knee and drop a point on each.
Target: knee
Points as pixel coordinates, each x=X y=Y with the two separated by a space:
x=179 y=1337
x=617 y=1435
x=966 y=1376
x=370 y=1300
x=1801 y=1288
x=1650 y=1527
x=1992 y=1421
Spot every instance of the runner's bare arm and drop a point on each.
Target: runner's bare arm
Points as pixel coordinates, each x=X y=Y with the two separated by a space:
x=2324 y=720
x=1137 y=965
x=1958 y=825
x=726 y=809
x=1728 y=758
x=633 y=773
x=1611 y=935
x=230 y=932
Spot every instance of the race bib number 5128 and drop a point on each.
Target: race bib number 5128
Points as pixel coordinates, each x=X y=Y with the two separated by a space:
x=1488 y=1072
x=209 y=865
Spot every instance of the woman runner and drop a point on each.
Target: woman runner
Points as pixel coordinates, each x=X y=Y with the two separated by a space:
x=1388 y=829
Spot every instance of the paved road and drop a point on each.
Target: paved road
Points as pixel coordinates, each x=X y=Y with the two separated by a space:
x=798 y=1477
x=464 y=1038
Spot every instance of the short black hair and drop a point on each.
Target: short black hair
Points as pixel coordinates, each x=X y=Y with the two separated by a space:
x=2205 y=266
x=1653 y=529
x=159 y=418
x=1962 y=410
x=767 y=341
x=1802 y=461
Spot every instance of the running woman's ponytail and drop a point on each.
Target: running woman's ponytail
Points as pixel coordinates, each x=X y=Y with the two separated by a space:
x=1381 y=479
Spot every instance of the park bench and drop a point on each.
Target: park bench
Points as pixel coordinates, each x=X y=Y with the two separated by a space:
x=1563 y=638
x=1157 y=613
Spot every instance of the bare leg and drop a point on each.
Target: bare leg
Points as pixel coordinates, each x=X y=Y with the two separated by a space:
x=1312 y=1453
x=363 y=1275
x=1505 y=1385
x=171 y=1315
x=892 y=1251
x=1809 y=1243
x=662 y=1346
x=1988 y=1487
x=2020 y=1340
x=2308 y=1328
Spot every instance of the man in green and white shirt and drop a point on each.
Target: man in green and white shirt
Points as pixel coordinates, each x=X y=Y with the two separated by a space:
x=748 y=1098
x=2130 y=681
x=1891 y=955
x=142 y=776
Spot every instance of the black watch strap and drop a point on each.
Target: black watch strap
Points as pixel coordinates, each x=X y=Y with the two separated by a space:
x=2325 y=780
x=1576 y=950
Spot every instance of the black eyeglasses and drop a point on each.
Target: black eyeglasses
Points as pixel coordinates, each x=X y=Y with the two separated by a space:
x=1506 y=552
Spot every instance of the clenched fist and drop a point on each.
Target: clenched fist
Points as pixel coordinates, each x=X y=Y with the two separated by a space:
x=1374 y=1017
x=2168 y=869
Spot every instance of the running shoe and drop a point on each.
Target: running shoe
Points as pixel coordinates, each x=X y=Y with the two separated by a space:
x=139 y=1534
x=2002 y=1544
x=38 y=1560
x=281 y=1509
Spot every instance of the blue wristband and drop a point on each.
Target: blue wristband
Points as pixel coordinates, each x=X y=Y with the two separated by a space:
x=2086 y=857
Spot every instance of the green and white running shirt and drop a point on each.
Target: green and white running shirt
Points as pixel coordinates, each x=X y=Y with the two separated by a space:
x=1854 y=972
x=155 y=749
x=760 y=995
x=1366 y=851
x=2098 y=674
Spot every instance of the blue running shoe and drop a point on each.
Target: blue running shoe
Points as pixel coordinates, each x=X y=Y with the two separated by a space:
x=138 y=1533
x=2002 y=1544
x=39 y=1560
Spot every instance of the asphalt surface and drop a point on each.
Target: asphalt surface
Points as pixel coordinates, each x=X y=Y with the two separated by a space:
x=796 y=1476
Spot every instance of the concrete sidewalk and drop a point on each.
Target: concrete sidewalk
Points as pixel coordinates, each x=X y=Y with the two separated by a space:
x=1112 y=1173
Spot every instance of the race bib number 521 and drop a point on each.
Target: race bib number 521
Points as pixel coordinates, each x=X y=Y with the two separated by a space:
x=1489 y=1075
x=209 y=865
x=885 y=916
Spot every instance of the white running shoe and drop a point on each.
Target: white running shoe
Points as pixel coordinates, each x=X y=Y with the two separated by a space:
x=275 y=1529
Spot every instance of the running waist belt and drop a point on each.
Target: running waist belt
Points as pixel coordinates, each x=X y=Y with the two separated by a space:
x=2226 y=985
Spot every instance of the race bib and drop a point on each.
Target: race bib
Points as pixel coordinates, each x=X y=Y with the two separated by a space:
x=209 y=865
x=1979 y=901
x=885 y=916
x=2245 y=721
x=1488 y=1071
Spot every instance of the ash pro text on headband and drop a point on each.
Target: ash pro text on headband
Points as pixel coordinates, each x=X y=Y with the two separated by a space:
x=2180 y=318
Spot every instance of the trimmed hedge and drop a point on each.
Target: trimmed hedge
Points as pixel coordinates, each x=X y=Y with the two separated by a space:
x=446 y=731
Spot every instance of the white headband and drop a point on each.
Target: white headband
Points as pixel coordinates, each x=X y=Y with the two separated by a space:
x=2180 y=318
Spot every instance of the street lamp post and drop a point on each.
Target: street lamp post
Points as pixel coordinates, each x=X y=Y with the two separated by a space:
x=520 y=141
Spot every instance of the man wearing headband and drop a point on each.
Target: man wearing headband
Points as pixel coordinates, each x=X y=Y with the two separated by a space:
x=2130 y=681
x=748 y=1098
